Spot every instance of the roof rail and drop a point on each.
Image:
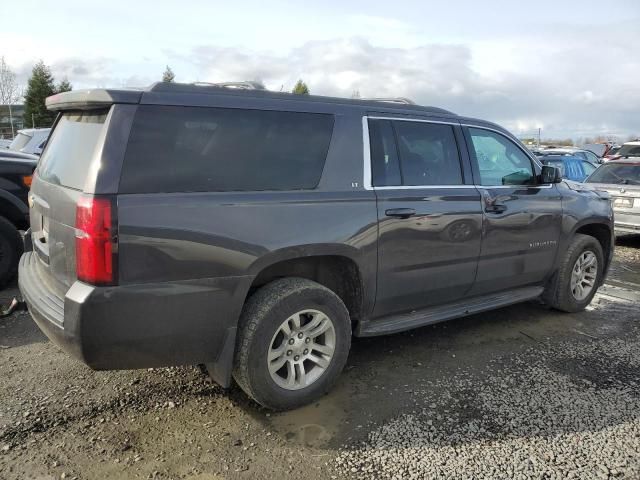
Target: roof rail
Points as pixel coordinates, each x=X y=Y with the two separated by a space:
x=400 y=100
x=235 y=85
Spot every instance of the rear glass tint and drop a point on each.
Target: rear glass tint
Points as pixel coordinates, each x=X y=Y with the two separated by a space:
x=67 y=157
x=196 y=149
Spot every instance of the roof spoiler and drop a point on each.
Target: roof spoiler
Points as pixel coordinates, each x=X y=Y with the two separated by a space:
x=90 y=99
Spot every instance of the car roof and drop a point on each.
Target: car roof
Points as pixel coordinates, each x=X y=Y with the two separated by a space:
x=631 y=143
x=169 y=93
x=625 y=161
x=561 y=156
x=31 y=131
x=175 y=92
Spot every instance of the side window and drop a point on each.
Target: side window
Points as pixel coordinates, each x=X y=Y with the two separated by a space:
x=588 y=168
x=500 y=161
x=428 y=153
x=592 y=157
x=385 y=168
x=196 y=149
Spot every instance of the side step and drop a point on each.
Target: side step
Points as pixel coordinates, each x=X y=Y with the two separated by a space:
x=440 y=313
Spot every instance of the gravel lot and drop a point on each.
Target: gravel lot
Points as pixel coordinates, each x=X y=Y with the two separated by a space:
x=523 y=392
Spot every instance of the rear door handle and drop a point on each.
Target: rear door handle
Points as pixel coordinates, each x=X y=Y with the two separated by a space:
x=495 y=208
x=400 y=212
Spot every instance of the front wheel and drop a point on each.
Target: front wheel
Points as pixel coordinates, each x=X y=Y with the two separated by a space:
x=578 y=277
x=293 y=341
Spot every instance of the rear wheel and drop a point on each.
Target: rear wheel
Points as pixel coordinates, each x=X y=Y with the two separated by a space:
x=293 y=342
x=10 y=250
x=578 y=277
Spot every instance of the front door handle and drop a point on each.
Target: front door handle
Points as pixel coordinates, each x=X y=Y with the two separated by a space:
x=495 y=208
x=400 y=212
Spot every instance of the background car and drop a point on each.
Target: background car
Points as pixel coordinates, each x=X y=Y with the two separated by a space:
x=627 y=150
x=572 y=167
x=587 y=155
x=30 y=140
x=621 y=178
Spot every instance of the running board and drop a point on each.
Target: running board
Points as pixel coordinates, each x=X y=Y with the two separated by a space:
x=440 y=313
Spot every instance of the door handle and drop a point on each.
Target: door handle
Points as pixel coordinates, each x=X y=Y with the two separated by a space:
x=400 y=212
x=495 y=208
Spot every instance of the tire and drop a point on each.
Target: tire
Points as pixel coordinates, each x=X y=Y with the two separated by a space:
x=559 y=293
x=260 y=332
x=10 y=251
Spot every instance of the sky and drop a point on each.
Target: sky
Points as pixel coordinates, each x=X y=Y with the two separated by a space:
x=571 y=68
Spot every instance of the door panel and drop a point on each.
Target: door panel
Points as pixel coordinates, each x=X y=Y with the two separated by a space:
x=429 y=220
x=519 y=244
x=430 y=257
x=522 y=219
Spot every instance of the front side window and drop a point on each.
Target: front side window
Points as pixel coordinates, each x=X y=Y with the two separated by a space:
x=428 y=153
x=198 y=149
x=499 y=160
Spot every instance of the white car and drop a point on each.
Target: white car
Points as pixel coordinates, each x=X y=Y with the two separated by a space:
x=30 y=140
x=4 y=143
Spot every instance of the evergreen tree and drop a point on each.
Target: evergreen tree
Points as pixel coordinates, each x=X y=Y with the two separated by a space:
x=40 y=87
x=300 y=88
x=168 y=75
x=64 y=86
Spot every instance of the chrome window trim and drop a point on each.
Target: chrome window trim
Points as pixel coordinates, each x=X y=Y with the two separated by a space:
x=366 y=148
x=420 y=120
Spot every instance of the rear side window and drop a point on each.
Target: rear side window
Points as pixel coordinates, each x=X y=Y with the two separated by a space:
x=67 y=158
x=196 y=149
x=428 y=154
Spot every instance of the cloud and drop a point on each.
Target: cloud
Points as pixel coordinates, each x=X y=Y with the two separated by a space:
x=572 y=88
x=570 y=81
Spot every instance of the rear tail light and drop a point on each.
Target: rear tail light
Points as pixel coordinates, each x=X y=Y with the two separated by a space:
x=96 y=240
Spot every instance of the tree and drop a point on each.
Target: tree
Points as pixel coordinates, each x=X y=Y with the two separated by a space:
x=64 y=86
x=9 y=90
x=39 y=87
x=300 y=88
x=168 y=75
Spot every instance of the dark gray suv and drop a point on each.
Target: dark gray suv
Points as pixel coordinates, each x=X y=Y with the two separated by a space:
x=256 y=232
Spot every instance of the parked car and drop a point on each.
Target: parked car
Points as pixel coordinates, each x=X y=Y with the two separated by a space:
x=4 y=143
x=255 y=232
x=30 y=140
x=627 y=150
x=15 y=180
x=587 y=155
x=571 y=167
x=621 y=178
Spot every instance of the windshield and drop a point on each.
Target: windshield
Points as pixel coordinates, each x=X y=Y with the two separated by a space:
x=20 y=141
x=629 y=151
x=617 y=173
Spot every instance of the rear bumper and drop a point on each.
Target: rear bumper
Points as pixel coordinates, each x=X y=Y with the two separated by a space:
x=139 y=326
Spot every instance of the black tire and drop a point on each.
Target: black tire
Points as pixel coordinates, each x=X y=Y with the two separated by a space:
x=261 y=318
x=558 y=293
x=10 y=251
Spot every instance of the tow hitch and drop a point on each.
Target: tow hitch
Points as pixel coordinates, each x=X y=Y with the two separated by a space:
x=15 y=306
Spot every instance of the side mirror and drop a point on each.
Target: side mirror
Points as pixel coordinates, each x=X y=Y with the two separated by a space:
x=550 y=174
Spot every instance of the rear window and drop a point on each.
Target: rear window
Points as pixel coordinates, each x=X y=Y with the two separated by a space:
x=618 y=173
x=20 y=141
x=196 y=149
x=67 y=158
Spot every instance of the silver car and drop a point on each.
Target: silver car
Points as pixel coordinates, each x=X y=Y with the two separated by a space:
x=621 y=178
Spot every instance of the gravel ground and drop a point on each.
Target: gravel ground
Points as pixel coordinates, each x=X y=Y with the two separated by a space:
x=522 y=392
